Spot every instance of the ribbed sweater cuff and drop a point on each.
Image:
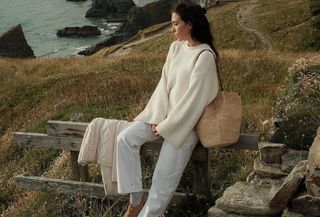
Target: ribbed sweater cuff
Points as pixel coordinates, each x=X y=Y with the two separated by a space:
x=170 y=136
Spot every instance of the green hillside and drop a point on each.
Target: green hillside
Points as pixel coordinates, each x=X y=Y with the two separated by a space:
x=258 y=41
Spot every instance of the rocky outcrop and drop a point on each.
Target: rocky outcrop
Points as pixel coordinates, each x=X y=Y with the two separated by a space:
x=289 y=213
x=14 y=44
x=313 y=174
x=109 y=8
x=291 y=157
x=84 y=31
x=153 y=13
x=289 y=187
x=250 y=198
x=307 y=205
x=115 y=39
x=271 y=152
x=267 y=193
x=138 y=18
x=264 y=169
x=76 y=0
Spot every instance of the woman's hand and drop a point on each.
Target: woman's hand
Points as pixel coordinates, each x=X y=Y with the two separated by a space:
x=154 y=131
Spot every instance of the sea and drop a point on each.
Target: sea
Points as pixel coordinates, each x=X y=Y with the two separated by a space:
x=40 y=20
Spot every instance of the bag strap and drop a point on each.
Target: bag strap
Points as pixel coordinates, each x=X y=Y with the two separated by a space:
x=220 y=82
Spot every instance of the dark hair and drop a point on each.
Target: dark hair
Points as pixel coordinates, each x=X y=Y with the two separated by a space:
x=192 y=13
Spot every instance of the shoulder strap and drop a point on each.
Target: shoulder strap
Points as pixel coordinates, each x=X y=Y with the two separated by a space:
x=220 y=82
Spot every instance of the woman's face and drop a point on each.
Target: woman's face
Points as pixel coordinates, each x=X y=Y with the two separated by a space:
x=180 y=29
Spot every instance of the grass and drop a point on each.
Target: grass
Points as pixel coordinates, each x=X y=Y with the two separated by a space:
x=287 y=24
x=228 y=34
x=34 y=91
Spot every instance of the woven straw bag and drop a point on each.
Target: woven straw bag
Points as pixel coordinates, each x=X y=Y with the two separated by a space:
x=220 y=122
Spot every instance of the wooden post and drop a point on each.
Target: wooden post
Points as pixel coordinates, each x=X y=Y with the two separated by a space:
x=79 y=173
x=201 y=171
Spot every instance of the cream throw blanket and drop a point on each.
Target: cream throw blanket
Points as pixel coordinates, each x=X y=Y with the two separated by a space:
x=99 y=146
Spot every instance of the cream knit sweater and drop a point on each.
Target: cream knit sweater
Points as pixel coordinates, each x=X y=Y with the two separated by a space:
x=188 y=83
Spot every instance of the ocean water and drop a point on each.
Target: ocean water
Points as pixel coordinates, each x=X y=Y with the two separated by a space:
x=40 y=20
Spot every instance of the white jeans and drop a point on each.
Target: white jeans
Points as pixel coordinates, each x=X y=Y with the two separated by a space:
x=166 y=177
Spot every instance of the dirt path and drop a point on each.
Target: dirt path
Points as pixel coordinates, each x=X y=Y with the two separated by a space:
x=125 y=49
x=244 y=20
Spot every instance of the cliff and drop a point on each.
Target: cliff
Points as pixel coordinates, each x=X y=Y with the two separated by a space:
x=109 y=8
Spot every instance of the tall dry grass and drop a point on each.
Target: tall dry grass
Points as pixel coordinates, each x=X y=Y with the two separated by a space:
x=33 y=91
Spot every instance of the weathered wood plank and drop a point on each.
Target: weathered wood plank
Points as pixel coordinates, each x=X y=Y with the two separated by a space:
x=94 y=190
x=45 y=141
x=34 y=183
x=66 y=128
x=77 y=129
x=246 y=142
x=150 y=149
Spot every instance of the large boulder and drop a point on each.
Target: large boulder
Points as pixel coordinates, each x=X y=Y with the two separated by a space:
x=267 y=170
x=271 y=152
x=289 y=213
x=250 y=198
x=84 y=31
x=14 y=44
x=216 y=212
x=289 y=187
x=109 y=8
x=313 y=174
x=115 y=39
x=306 y=204
x=291 y=157
x=151 y=14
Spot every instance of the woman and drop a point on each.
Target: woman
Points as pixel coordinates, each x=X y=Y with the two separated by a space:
x=188 y=83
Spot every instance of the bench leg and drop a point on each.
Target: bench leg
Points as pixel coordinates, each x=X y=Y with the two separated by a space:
x=79 y=173
x=201 y=174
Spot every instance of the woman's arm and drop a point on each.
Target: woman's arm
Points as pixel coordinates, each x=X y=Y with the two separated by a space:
x=203 y=87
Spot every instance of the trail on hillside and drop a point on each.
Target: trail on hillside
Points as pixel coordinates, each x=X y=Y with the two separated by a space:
x=244 y=20
x=126 y=48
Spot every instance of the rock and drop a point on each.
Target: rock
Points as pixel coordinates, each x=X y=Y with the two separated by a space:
x=271 y=152
x=306 y=204
x=250 y=198
x=105 y=43
x=138 y=18
x=289 y=187
x=252 y=176
x=14 y=44
x=287 y=213
x=84 y=31
x=76 y=0
x=267 y=170
x=151 y=14
x=109 y=8
x=313 y=173
x=216 y=212
x=290 y=159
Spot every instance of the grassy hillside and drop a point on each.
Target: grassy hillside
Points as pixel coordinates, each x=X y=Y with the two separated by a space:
x=34 y=91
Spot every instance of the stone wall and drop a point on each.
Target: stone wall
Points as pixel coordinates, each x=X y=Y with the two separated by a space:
x=285 y=182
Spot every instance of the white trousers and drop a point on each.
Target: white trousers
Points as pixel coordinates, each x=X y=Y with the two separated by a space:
x=168 y=171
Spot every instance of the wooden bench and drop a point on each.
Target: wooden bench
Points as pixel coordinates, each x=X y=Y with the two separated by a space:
x=67 y=136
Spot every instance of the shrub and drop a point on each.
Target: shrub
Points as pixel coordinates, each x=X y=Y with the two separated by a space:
x=299 y=108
